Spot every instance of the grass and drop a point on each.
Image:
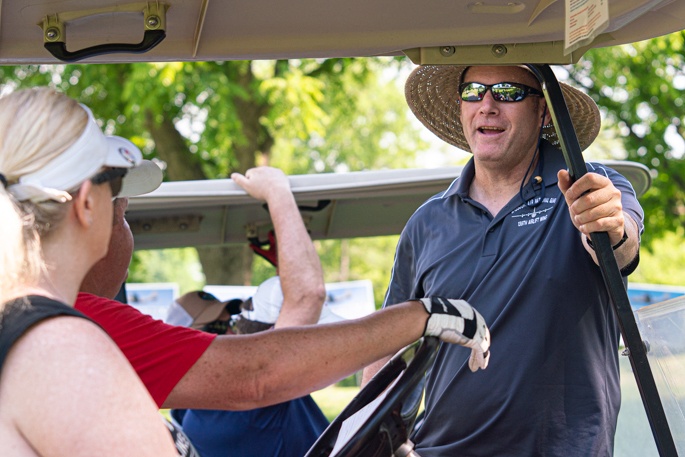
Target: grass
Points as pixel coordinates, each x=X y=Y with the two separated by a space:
x=333 y=399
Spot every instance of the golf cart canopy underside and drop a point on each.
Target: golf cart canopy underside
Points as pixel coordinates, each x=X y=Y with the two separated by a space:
x=489 y=31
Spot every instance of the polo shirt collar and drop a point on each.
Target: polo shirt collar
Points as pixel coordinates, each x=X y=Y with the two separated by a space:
x=464 y=181
x=553 y=162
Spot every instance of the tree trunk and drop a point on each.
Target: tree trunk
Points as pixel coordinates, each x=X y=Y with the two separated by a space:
x=222 y=265
x=226 y=265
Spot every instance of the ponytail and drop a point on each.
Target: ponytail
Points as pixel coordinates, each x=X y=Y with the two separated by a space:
x=20 y=257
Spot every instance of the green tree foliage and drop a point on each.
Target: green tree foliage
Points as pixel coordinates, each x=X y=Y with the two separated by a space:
x=640 y=89
x=180 y=266
x=663 y=263
x=204 y=120
x=360 y=258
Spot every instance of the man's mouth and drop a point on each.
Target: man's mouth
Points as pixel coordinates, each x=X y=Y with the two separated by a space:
x=488 y=130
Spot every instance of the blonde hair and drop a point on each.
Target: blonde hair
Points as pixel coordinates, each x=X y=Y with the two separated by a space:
x=20 y=251
x=36 y=125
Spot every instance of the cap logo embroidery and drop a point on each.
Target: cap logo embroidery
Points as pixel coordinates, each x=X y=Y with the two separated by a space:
x=127 y=155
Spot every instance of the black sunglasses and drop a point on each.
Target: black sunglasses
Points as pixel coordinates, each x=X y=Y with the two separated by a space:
x=113 y=176
x=501 y=92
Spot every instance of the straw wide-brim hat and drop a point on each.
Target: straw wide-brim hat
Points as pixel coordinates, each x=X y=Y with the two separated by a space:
x=432 y=92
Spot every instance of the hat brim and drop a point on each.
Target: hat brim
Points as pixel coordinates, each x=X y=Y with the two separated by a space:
x=432 y=92
x=141 y=179
x=190 y=310
x=209 y=313
x=143 y=176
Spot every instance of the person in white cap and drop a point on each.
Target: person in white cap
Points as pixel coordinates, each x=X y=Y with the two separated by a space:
x=203 y=311
x=265 y=307
x=286 y=429
x=65 y=388
x=187 y=368
x=510 y=236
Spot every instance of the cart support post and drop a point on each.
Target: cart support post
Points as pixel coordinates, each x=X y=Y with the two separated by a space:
x=610 y=271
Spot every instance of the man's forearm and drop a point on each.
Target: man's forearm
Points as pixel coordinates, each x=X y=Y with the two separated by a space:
x=249 y=371
x=370 y=371
x=299 y=266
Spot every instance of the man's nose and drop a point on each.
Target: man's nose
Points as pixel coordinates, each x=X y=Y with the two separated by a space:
x=488 y=105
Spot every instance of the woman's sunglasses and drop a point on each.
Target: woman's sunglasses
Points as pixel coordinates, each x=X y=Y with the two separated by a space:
x=113 y=176
x=501 y=92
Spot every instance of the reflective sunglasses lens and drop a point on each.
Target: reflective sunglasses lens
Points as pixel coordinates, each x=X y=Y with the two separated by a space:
x=114 y=177
x=501 y=92
x=473 y=92
x=508 y=93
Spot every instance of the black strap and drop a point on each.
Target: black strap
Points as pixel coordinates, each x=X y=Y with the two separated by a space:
x=613 y=278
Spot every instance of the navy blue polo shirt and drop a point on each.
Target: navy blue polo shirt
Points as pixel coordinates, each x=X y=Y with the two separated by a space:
x=287 y=429
x=552 y=386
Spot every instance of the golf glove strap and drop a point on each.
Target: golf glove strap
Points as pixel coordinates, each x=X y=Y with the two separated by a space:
x=455 y=321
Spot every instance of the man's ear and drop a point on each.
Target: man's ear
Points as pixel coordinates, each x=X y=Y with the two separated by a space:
x=82 y=204
x=546 y=115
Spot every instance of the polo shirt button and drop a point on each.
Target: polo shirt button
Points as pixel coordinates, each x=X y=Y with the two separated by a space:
x=491 y=230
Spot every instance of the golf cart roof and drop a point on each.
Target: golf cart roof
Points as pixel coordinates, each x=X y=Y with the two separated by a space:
x=333 y=205
x=187 y=30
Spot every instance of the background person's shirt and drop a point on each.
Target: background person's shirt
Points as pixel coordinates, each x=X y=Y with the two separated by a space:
x=161 y=354
x=288 y=429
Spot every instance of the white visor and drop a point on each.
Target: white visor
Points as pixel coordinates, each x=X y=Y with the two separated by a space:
x=82 y=160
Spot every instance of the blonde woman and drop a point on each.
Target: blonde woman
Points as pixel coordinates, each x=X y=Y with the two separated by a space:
x=65 y=388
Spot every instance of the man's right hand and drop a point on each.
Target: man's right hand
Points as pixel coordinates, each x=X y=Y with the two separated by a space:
x=264 y=183
x=455 y=321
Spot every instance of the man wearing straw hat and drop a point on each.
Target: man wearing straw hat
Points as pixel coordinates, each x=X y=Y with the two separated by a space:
x=501 y=238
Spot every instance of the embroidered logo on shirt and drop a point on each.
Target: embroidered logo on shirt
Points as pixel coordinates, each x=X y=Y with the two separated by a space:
x=532 y=216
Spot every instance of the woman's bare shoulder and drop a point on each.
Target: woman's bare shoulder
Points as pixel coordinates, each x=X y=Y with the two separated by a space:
x=65 y=377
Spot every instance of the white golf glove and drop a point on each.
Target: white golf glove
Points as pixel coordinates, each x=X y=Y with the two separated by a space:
x=455 y=321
